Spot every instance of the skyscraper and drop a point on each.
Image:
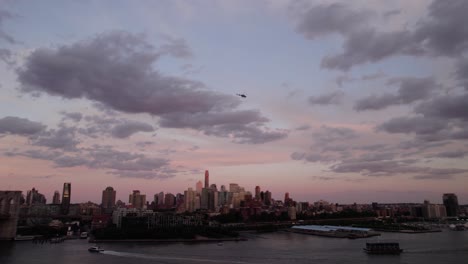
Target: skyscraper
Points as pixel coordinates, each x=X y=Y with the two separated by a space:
x=108 y=198
x=137 y=200
x=451 y=203
x=257 y=192
x=267 y=199
x=56 y=198
x=207 y=179
x=189 y=197
x=161 y=198
x=66 y=196
x=34 y=197
x=169 y=200
x=199 y=187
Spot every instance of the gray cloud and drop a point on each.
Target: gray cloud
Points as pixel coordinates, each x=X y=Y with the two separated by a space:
x=326 y=99
x=440 y=174
x=63 y=138
x=4 y=15
x=303 y=127
x=177 y=48
x=417 y=125
x=446 y=107
x=243 y=126
x=368 y=45
x=390 y=13
x=322 y=20
x=442 y=32
x=69 y=161
x=116 y=70
x=5 y=56
x=76 y=117
x=20 y=126
x=461 y=72
x=411 y=89
x=394 y=167
x=127 y=129
x=457 y=154
x=125 y=164
x=329 y=134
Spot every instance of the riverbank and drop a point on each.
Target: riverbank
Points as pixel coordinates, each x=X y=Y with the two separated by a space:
x=407 y=231
x=336 y=234
x=195 y=240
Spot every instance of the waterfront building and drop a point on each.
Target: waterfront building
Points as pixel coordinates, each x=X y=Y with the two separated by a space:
x=430 y=211
x=108 y=198
x=56 y=198
x=292 y=213
x=451 y=204
x=66 y=197
x=137 y=200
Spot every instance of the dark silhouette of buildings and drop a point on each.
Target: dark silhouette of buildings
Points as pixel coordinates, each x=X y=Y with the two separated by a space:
x=34 y=197
x=108 y=198
x=66 y=196
x=56 y=198
x=451 y=204
x=257 y=193
x=137 y=200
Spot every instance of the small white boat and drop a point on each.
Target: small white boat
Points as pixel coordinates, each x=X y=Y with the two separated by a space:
x=95 y=249
x=220 y=244
x=23 y=238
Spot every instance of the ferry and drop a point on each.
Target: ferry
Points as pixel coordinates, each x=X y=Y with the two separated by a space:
x=95 y=249
x=382 y=248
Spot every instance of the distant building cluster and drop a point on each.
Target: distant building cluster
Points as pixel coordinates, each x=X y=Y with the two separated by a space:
x=205 y=199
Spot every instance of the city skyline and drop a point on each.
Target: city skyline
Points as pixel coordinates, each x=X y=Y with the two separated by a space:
x=345 y=101
x=159 y=196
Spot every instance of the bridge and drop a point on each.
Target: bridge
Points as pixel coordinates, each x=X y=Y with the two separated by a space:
x=9 y=210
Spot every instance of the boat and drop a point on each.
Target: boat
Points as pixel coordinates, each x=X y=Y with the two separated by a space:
x=382 y=248
x=95 y=249
x=220 y=244
x=84 y=235
x=23 y=238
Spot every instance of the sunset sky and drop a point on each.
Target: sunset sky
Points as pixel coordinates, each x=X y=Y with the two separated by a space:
x=351 y=101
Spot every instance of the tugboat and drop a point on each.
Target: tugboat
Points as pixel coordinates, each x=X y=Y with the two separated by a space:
x=383 y=248
x=95 y=249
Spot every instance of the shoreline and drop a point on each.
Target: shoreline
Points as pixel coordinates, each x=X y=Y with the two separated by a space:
x=407 y=231
x=195 y=240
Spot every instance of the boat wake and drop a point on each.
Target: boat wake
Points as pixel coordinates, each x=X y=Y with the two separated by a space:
x=436 y=251
x=145 y=256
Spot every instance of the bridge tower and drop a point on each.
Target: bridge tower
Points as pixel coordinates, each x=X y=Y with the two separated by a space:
x=9 y=211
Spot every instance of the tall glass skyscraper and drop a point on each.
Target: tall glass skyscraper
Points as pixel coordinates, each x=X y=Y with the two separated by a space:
x=66 y=195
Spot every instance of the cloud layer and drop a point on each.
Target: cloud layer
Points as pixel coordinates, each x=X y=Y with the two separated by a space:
x=116 y=70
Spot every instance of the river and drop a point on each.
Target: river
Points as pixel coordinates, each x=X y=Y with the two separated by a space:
x=279 y=247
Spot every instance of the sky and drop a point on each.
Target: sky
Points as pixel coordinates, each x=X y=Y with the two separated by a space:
x=347 y=101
